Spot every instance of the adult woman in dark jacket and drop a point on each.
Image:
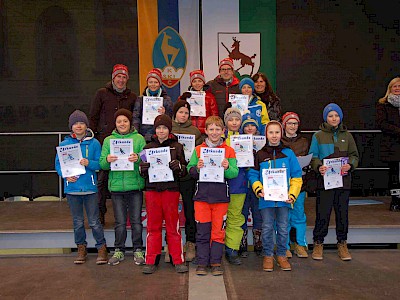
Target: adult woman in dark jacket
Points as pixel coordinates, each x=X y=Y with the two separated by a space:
x=388 y=120
x=264 y=90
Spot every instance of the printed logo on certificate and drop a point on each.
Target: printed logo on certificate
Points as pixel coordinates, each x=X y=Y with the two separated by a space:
x=259 y=142
x=197 y=103
x=150 y=109
x=212 y=170
x=241 y=102
x=333 y=176
x=121 y=148
x=275 y=184
x=159 y=159
x=70 y=157
x=188 y=143
x=243 y=146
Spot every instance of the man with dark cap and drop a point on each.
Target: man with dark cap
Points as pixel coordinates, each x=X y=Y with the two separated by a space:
x=108 y=100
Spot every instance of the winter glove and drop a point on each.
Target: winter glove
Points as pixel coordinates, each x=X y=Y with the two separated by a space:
x=144 y=168
x=175 y=165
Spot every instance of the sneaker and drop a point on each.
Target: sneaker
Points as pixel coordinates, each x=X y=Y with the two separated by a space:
x=318 y=251
x=343 y=251
x=138 y=257
x=289 y=254
x=300 y=251
x=181 y=268
x=217 y=271
x=149 y=269
x=102 y=255
x=167 y=259
x=116 y=258
x=201 y=270
x=232 y=256
x=283 y=262
x=268 y=263
x=190 y=251
x=82 y=254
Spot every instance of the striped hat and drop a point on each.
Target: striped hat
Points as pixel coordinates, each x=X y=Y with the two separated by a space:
x=289 y=115
x=197 y=74
x=155 y=73
x=248 y=119
x=120 y=69
x=226 y=61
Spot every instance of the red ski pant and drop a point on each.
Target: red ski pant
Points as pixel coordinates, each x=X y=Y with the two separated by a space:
x=163 y=206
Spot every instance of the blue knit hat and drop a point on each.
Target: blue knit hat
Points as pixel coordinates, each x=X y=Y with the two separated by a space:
x=248 y=81
x=332 y=107
x=248 y=119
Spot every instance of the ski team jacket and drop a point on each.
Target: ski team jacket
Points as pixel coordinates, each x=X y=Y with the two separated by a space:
x=239 y=184
x=211 y=110
x=123 y=181
x=270 y=157
x=90 y=148
x=213 y=192
x=221 y=91
x=329 y=142
x=259 y=112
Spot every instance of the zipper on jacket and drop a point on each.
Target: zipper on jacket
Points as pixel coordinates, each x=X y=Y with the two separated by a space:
x=92 y=179
x=227 y=189
x=197 y=188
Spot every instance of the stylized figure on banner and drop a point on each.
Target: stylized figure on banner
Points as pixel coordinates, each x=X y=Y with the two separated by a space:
x=235 y=54
x=167 y=49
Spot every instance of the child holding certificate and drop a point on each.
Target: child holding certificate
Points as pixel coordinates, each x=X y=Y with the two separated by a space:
x=276 y=172
x=238 y=190
x=332 y=141
x=81 y=190
x=162 y=196
x=211 y=198
x=297 y=218
x=183 y=128
x=151 y=93
x=250 y=126
x=125 y=186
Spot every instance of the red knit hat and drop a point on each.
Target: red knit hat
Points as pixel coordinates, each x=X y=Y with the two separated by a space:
x=155 y=73
x=197 y=74
x=120 y=69
x=226 y=61
x=289 y=115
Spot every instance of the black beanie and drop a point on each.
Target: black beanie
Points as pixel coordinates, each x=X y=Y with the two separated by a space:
x=178 y=104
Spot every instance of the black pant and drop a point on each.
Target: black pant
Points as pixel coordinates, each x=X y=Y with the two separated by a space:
x=102 y=186
x=186 y=188
x=339 y=200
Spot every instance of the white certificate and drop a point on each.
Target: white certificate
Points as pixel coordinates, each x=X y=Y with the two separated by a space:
x=332 y=177
x=243 y=146
x=239 y=101
x=121 y=148
x=197 y=103
x=188 y=142
x=258 y=142
x=212 y=170
x=150 y=109
x=275 y=184
x=70 y=157
x=159 y=159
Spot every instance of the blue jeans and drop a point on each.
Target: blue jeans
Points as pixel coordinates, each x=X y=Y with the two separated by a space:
x=280 y=217
x=297 y=220
x=251 y=202
x=89 y=202
x=131 y=203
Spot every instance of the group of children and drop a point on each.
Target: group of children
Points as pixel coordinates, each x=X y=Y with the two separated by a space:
x=216 y=212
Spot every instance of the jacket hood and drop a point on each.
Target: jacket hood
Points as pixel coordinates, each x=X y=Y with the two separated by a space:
x=235 y=80
x=163 y=92
x=110 y=88
x=205 y=88
x=187 y=124
x=171 y=138
x=328 y=128
x=89 y=136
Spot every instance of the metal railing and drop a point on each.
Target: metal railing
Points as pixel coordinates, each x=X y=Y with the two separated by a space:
x=59 y=134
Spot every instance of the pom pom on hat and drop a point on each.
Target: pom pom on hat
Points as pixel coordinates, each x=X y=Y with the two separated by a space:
x=332 y=107
x=248 y=119
x=289 y=115
x=197 y=74
x=230 y=113
x=77 y=116
x=155 y=73
x=226 y=61
x=120 y=69
x=163 y=120
x=248 y=81
x=123 y=112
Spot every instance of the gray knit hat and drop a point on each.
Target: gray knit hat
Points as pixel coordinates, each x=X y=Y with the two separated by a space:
x=77 y=116
x=230 y=113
